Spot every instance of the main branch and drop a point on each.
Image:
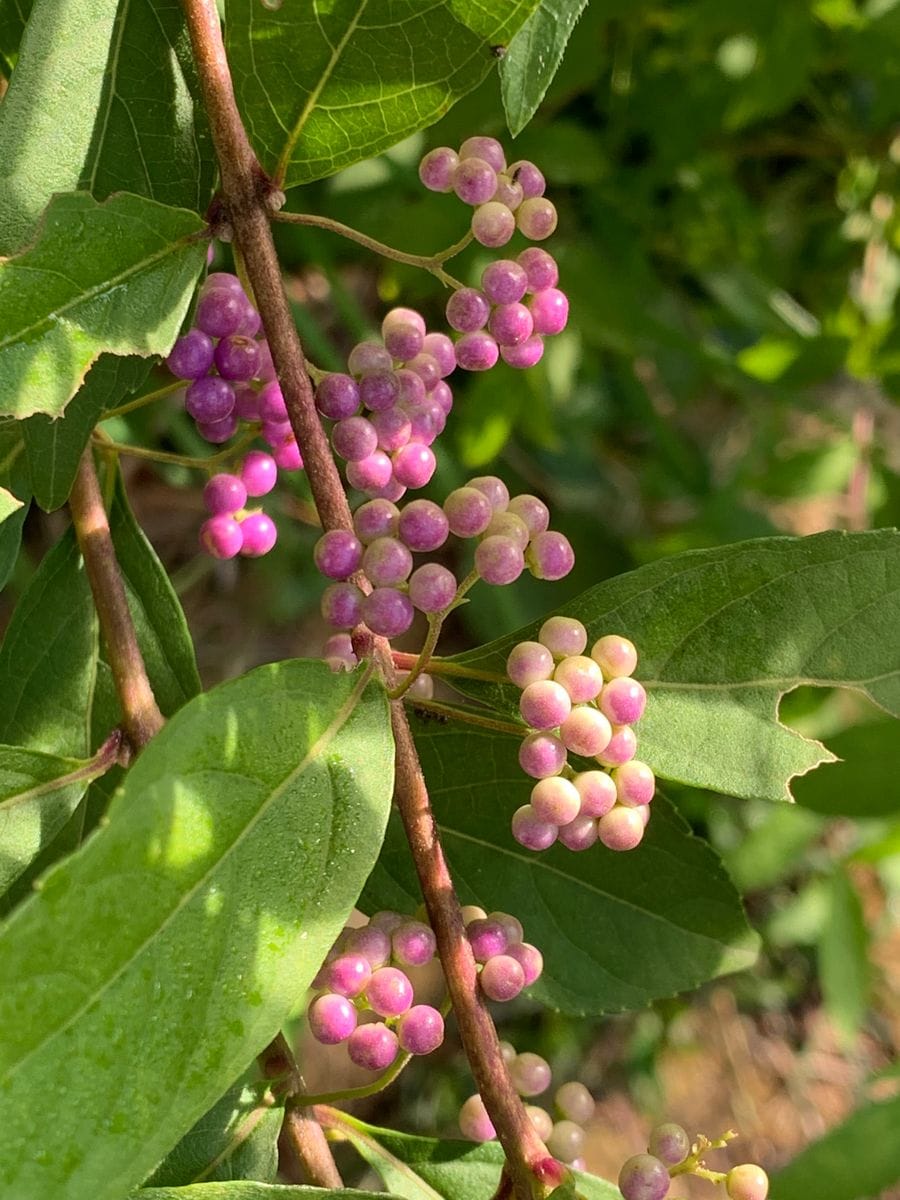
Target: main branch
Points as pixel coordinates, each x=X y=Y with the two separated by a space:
x=248 y=195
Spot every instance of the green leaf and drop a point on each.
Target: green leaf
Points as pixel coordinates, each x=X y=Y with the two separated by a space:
x=669 y=914
x=236 y=1139
x=723 y=634
x=10 y=540
x=13 y=17
x=859 y=1158
x=38 y=794
x=533 y=58
x=243 y=1190
x=864 y=783
x=131 y=266
x=48 y=659
x=229 y=862
x=162 y=631
x=8 y=504
x=326 y=84
x=104 y=98
x=54 y=447
x=844 y=970
x=420 y=1168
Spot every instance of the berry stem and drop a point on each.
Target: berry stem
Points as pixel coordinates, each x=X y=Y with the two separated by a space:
x=147 y=398
x=468 y=716
x=443 y=666
x=140 y=714
x=428 y=262
x=305 y=1135
x=210 y=464
x=435 y=624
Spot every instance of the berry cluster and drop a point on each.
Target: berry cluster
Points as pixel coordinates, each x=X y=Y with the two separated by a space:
x=517 y=305
x=669 y=1152
x=584 y=705
x=513 y=534
x=232 y=380
x=390 y=405
x=505 y=198
x=531 y=1075
x=507 y=964
x=365 y=973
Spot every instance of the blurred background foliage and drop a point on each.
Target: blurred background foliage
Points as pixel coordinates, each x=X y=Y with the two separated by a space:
x=727 y=180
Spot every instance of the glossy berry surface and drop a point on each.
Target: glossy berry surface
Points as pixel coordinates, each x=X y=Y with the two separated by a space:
x=644 y=1177
x=373 y=1047
x=332 y=1019
x=670 y=1143
x=421 y=1030
x=747 y=1182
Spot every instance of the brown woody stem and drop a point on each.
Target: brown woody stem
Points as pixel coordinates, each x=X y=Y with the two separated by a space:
x=140 y=715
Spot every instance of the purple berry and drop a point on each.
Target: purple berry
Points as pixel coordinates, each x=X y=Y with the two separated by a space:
x=421 y=1030
x=493 y=224
x=575 y=1102
x=287 y=455
x=474 y=181
x=550 y=555
x=370 y=474
x=413 y=943
x=259 y=535
x=524 y=356
x=635 y=783
x=338 y=554
x=488 y=149
x=218 y=432
x=393 y=490
x=555 y=800
x=563 y=636
x=531 y=832
x=529 y=959
x=276 y=433
x=432 y=588
x=442 y=394
x=540 y=267
x=669 y=1143
x=411 y=385
x=224 y=494
x=402 y=339
x=224 y=279
x=250 y=324
x=512 y=925
x=379 y=390
x=368 y=356
x=494 y=488
x=354 y=438
x=644 y=1177
x=246 y=403
x=621 y=828
x=423 y=526
x=474 y=1122
x=509 y=193
x=437 y=167
x=510 y=324
x=530 y=1074
x=342 y=605
x=373 y=942
x=209 y=400
x=389 y=992
x=237 y=357
x=220 y=312
x=468 y=511
x=623 y=700
x=468 y=310
x=544 y=704
x=549 y=310
x=373 y=1047
x=615 y=656
x=536 y=218
x=332 y=1019
x=529 y=662
x=541 y=755
x=348 y=975
x=393 y=429
x=528 y=177
x=266 y=368
x=597 y=792
x=499 y=560
x=427 y=368
x=414 y=465
x=427 y=421
x=271 y=405
x=531 y=510
x=386 y=562
x=585 y=731
x=477 y=352
x=747 y=1182
x=387 y=612
x=337 y=396
x=376 y=519
x=581 y=677
x=579 y=834
x=501 y=978
x=221 y=536
x=386 y=920
x=439 y=346
x=504 y=281
x=487 y=938
x=404 y=316
x=191 y=356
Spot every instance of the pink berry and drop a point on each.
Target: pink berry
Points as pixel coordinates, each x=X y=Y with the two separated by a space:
x=387 y=562
x=536 y=218
x=258 y=535
x=354 y=438
x=474 y=1122
x=747 y=1182
x=621 y=748
x=493 y=224
x=373 y=1047
x=540 y=267
x=486 y=938
x=509 y=192
x=621 y=828
x=338 y=653
x=224 y=494
x=506 y=524
x=287 y=456
x=379 y=390
x=544 y=704
x=348 y=975
x=468 y=511
x=580 y=834
x=221 y=536
x=488 y=149
x=246 y=402
x=529 y=177
x=439 y=346
x=368 y=356
x=635 y=783
x=501 y=978
x=563 y=636
x=532 y=511
x=529 y=662
x=372 y=941
x=414 y=465
x=644 y=1177
x=389 y=992
x=332 y=1019
x=511 y=324
x=530 y=831
x=375 y=519
x=504 y=281
x=527 y=354
x=474 y=181
x=403 y=316
x=580 y=676
x=432 y=588
x=585 y=731
x=494 y=488
x=437 y=167
x=623 y=700
x=421 y=1030
x=387 y=612
x=615 y=655
x=338 y=554
x=530 y=1074
x=413 y=943
x=549 y=311
x=477 y=352
x=597 y=792
x=370 y=474
x=402 y=340
x=499 y=560
x=427 y=368
x=467 y=310
x=555 y=800
x=550 y=556
x=542 y=755
x=529 y=959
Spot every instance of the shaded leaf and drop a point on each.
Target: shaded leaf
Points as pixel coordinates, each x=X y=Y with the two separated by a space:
x=13 y=16
x=844 y=970
x=54 y=447
x=533 y=59
x=670 y=916
x=8 y=504
x=323 y=85
x=722 y=635
x=864 y=783
x=130 y=270
x=246 y=827
x=103 y=99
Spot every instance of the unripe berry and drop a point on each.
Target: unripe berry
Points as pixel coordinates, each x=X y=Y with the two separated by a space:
x=536 y=218
x=432 y=588
x=421 y=1030
x=540 y=1119
x=550 y=556
x=493 y=224
x=621 y=828
x=472 y=912
x=501 y=978
x=373 y=1047
x=531 y=510
x=529 y=177
x=474 y=1122
x=529 y=959
x=437 y=167
x=508 y=193
x=597 y=792
x=368 y=356
x=635 y=783
x=580 y=834
x=439 y=346
x=530 y=831
x=510 y=924
x=621 y=748
x=747 y=1182
x=372 y=941
x=487 y=939
x=563 y=636
x=616 y=656
x=540 y=267
x=529 y=662
x=354 y=438
x=474 y=181
x=544 y=704
x=585 y=731
x=499 y=560
x=542 y=755
x=530 y=1074
x=426 y=367
x=555 y=800
x=389 y=992
x=623 y=700
x=566 y=1141
x=488 y=149
x=644 y=1177
x=575 y=1102
x=580 y=676
x=468 y=511
x=670 y=1143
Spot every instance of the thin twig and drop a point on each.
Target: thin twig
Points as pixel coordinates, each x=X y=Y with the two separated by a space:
x=140 y=713
x=467 y=716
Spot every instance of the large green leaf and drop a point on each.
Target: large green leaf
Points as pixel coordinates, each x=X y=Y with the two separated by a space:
x=103 y=99
x=724 y=633
x=616 y=930
x=236 y=1139
x=229 y=861
x=533 y=58
x=420 y=1168
x=324 y=84
x=131 y=266
x=859 y=1158
x=54 y=447
x=864 y=782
